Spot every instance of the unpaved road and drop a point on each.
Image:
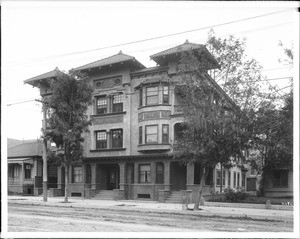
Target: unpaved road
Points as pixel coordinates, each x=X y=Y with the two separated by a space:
x=52 y=218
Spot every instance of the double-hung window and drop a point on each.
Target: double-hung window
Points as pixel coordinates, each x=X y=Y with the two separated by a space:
x=152 y=95
x=117 y=138
x=140 y=134
x=117 y=103
x=144 y=173
x=243 y=179
x=28 y=171
x=165 y=94
x=101 y=140
x=151 y=134
x=238 y=179
x=165 y=133
x=223 y=178
x=218 y=177
x=77 y=174
x=234 y=179
x=101 y=105
x=159 y=173
x=229 y=179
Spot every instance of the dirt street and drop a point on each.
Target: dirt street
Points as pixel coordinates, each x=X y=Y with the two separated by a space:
x=65 y=218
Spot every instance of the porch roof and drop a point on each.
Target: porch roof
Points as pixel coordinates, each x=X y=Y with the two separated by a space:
x=20 y=160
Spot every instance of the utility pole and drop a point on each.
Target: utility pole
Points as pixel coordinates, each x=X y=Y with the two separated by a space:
x=45 y=173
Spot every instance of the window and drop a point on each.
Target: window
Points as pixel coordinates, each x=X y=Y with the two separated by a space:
x=159 y=173
x=238 y=179
x=140 y=134
x=165 y=133
x=280 y=178
x=101 y=105
x=101 y=140
x=117 y=138
x=243 y=179
x=27 y=171
x=77 y=174
x=165 y=94
x=144 y=173
x=218 y=177
x=141 y=96
x=223 y=178
x=117 y=103
x=234 y=179
x=209 y=179
x=152 y=95
x=151 y=134
x=229 y=179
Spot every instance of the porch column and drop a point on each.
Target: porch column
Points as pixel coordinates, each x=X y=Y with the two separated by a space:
x=136 y=173
x=190 y=171
x=83 y=174
x=153 y=172
x=167 y=174
x=59 y=179
x=22 y=172
x=122 y=166
x=93 y=172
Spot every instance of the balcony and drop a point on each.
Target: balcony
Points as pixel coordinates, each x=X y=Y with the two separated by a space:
x=154 y=147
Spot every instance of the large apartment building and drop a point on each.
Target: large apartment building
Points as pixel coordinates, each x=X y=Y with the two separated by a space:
x=135 y=120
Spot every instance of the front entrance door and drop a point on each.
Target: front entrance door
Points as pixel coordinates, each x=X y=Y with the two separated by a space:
x=178 y=176
x=111 y=178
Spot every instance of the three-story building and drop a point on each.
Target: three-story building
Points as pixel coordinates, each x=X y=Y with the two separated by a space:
x=135 y=120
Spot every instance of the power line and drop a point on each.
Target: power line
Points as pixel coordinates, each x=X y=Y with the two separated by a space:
x=154 y=38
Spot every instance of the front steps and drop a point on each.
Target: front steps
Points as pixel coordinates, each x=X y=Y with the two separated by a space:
x=104 y=195
x=174 y=197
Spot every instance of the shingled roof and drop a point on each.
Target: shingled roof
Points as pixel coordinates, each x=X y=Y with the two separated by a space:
x=118 y=58
x=27 y=149
x=162 y=57
x=35 y=80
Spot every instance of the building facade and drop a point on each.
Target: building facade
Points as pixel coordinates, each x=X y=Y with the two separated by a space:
x=135 y=120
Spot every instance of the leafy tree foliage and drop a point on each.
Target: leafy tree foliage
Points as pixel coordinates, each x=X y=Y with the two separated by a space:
x=67 y=107
x=239 y=76
x=213 y=126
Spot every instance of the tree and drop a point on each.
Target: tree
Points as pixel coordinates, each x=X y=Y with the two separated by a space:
x=239 y=76
x=71 y=96
x=213 y=126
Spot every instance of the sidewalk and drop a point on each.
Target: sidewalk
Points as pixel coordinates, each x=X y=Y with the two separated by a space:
x=210 y=209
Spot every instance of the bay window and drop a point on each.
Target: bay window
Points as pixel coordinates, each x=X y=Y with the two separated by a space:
x=152 y=95
x=165 y=133
x=151 y=134
x=165 y=94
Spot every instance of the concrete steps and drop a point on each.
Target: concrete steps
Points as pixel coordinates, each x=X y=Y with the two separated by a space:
x=175 y=197
x=104 y=195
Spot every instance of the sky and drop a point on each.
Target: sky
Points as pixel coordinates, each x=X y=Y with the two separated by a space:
x=39 y=36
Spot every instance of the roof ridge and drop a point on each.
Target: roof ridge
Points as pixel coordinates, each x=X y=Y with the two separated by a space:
x=120 y=53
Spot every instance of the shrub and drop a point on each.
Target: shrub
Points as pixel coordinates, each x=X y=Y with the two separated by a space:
x=234 y=195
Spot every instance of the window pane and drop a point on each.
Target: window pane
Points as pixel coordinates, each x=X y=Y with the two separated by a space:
x=101 y=105
x=144 y=173
x=141 y=96
x=152 y=91
x=140 y=135
x=152 y=95
x=165 y=133
x=152 y=100
x=117 y=138
x=165 y=94
x=151 y=138
x=151 y=129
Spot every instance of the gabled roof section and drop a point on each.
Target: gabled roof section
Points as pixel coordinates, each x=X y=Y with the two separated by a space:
x=43 y=77
x=162 y=57
x=118 y=58
x=26 y=150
